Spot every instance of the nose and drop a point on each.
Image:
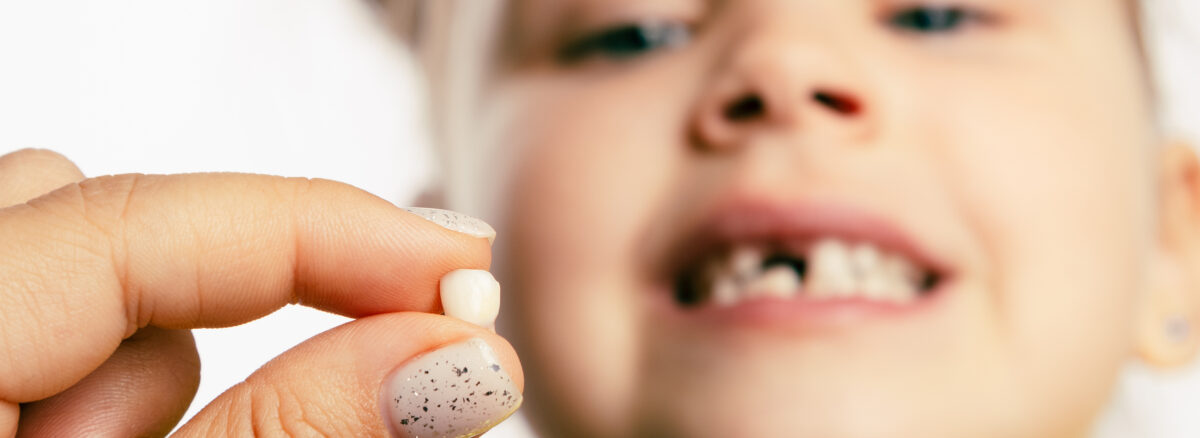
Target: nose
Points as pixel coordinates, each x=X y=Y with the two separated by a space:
x=781 y=84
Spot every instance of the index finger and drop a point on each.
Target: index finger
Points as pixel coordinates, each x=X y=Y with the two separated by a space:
x=85 y=266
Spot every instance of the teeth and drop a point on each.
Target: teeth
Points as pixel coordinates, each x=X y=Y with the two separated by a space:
x=872 y=281
x=746 y=263
x=831 y=272
x=725 y=292
x=776 y=282
x=904 y=278
x=835 y=269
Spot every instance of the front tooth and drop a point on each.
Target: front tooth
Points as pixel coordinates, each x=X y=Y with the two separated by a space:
x=777 y=282
x=831 y=273
x=868 y=267
x=746 y=263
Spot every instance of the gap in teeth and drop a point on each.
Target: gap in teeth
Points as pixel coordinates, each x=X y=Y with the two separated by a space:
x=828 y=268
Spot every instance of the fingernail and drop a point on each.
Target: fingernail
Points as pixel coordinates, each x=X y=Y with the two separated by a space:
x=459 y=390
x=471 y=295
x=455 y=221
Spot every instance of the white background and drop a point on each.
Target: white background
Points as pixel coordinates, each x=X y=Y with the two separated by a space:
x=317 y=88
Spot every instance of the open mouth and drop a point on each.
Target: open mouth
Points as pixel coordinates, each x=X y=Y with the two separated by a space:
x=803 y=254
x=823 y=269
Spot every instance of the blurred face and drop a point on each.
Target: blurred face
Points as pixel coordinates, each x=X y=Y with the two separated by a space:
x=818 y=218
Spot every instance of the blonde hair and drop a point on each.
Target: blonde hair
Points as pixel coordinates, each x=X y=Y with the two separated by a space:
x=453 y=43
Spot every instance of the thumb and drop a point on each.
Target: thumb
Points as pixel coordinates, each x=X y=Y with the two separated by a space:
x=404 y=374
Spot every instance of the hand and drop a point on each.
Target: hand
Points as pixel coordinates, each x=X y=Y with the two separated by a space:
x=100 y=280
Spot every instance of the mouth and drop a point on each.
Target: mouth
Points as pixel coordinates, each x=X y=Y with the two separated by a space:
x=802 y=257
x=828 y=268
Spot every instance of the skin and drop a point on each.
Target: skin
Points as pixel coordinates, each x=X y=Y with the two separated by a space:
x=1021 y=148
x=100 y=280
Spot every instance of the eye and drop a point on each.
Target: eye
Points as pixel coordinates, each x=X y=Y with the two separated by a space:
x=934 y=19
x=627 y=41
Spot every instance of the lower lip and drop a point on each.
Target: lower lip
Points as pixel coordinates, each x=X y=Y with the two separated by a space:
x=801 y=315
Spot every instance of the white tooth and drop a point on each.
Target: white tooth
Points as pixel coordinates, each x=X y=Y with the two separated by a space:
x=875 y=285
x=722 y=286
x=897 y=286
x=746 y=263
x=777 y=282
x=724 y=291
x=893 y=290
x=910 y=273
x=868 y=269
x=471 y=295
x=865 y=256
x=903 y=278
x=831 y=273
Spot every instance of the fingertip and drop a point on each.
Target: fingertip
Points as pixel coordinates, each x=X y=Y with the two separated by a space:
x=354 y=379
x=387 y=260
x=35 y=156
x=30 y=173
x=458 y=389
x=457 y=222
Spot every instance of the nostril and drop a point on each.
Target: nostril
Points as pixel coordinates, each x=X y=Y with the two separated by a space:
x=745 y=108
x=839 y=103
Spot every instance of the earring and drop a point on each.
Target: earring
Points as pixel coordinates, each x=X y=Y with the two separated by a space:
x=1178 y=328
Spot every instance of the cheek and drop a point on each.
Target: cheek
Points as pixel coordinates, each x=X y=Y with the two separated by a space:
x=582 y=193
x=589 y=177
x=1051 y=170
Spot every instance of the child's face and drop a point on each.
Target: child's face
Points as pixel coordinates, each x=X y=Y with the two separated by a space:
x=1003 y=150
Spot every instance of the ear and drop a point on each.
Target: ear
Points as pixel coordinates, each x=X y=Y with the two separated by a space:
x=1169 y=320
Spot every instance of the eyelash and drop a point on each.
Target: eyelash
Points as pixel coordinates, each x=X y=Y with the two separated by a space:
x=932 y=20
x=627 y=41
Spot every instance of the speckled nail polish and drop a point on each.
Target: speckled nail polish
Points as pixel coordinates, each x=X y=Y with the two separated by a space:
x=459 y=390
x=455 y=221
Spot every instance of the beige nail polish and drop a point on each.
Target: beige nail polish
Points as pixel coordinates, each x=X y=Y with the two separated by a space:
x=455 y=221
x=459 y=390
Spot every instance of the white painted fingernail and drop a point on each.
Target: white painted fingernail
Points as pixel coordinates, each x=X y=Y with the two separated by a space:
x=455 y=221
x=459 y=390
x=471 y=295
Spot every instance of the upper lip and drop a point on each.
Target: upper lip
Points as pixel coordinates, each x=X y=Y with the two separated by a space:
x=746 y=221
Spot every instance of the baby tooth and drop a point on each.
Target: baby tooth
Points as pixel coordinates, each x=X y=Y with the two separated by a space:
x=908 y=274
x=724 y=291
x=832 y=273
x=865 y=256
x=778 y=282
x=875 y=285
x=893 y=286
x=902 y=278
x=471 y=295
x=871 y=280
x=746 y=263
